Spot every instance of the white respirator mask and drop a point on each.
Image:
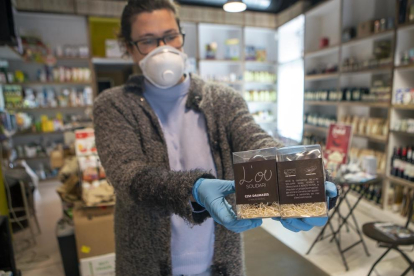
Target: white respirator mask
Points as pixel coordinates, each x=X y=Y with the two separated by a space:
x=164 y=66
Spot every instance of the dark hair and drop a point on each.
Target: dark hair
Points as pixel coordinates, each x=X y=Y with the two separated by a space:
x=135 y=7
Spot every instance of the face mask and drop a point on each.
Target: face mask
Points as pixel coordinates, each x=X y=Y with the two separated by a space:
x=164 y=66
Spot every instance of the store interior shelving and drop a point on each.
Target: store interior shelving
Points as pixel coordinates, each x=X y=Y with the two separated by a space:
x=361 y=47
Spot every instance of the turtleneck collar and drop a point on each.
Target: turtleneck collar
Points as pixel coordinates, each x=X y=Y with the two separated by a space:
x=169 y=94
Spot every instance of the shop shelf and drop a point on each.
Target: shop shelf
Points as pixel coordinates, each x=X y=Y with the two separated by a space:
x=404 y=106
x=361 y=40
x=20 y=134
x=38 y=83
x=228 y=61
x=254 y=62
x=112 y=61
x=324 y=103
x=373 y=138
x=400 y=181
x=322 y=76
x=406 y=26
x=72 y=59
x=259 y=83
x=41 y=109
x=367 y=104
x=406 y=67
x=403 y=133
x=315 y=128
x=322 y=52
x=378 y=70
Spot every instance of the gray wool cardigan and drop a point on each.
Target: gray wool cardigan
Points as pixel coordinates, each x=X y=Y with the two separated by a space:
x=133 y=152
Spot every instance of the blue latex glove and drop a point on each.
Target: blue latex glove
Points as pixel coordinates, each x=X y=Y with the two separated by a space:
x=210 y=194
x=306 y=224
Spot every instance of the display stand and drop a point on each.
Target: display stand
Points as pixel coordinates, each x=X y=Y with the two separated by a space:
x=343 y=220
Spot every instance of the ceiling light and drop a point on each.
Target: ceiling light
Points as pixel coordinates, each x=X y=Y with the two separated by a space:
x=234 y=6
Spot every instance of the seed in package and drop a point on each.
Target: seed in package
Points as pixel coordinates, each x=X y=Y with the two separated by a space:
x=301 y=178
x=255 y=177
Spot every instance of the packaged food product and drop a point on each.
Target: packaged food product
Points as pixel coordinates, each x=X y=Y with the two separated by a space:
x=301 y=180
x=255 y=177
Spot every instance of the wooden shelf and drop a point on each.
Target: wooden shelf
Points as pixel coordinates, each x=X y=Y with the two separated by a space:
x=377 y=70
x=268 y=63
x=406 y=26
x=360 y=40
x=315 y=128
x=72 y=58
x=366 y=104
x=39 y=109
x=406 y=67
x=20 y=134
x=404 y=106
x=403 y=133
x=259 y=83
x=322 y=52
x=238 y=62
x=372 y=138
x=35 y=83
x=344 y=103
x=112 y=61
x=322 y=76
x=323 y=103
x=400 y=181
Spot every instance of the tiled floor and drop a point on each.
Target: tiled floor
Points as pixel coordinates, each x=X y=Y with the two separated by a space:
x=44 y=259
x=326 y=255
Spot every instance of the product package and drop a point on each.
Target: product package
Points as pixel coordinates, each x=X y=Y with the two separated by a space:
x=301 y=182
x=255 y=177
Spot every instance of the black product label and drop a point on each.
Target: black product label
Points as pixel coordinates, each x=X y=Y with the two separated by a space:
x=256 y=182
x=301 y=181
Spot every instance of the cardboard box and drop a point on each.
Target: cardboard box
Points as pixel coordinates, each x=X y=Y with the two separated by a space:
x=365 y=28
x=98 y=266
x=94 y=231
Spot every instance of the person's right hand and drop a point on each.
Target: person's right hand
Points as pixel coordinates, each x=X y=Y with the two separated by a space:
x=210 y=194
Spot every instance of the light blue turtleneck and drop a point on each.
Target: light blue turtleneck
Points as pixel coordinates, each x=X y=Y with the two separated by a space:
x=188 y=147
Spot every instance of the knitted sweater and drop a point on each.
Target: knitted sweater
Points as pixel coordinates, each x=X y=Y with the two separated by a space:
x=134 y=154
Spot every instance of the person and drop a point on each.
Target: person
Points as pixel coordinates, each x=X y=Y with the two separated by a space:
x=166 y=140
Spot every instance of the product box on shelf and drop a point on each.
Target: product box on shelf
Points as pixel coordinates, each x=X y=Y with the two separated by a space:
x=98 y=266
x=365 y=28
x=94 y=230
x=287 y=182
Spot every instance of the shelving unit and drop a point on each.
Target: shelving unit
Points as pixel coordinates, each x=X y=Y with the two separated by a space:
x=48 y=28
x=343 y=14
x=233 y=72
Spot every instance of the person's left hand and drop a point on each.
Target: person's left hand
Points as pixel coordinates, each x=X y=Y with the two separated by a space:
x=306 y=224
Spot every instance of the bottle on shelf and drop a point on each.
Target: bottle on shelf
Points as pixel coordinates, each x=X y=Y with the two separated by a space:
x=403 y=163
x=408 y=163
x=394 y=162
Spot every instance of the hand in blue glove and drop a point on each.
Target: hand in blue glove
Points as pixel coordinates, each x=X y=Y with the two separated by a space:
x=210 y=194
x=306 y=224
